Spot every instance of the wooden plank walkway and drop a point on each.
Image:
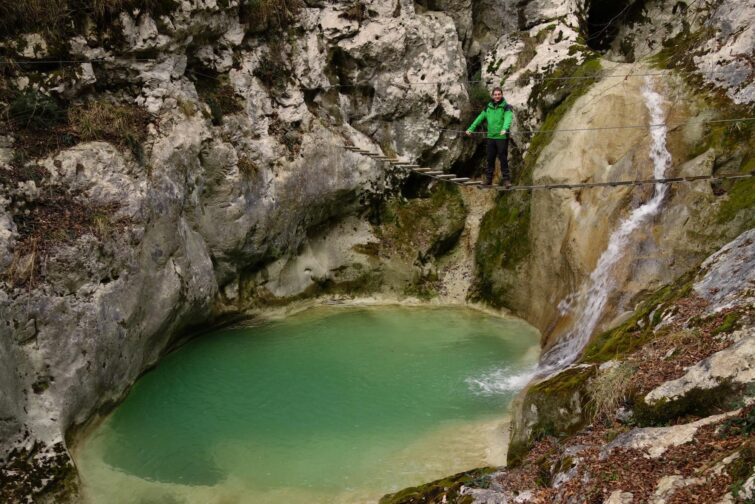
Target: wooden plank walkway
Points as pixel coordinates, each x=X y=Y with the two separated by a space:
x=466 y=182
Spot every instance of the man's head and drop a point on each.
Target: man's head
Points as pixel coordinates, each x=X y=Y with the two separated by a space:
x=497 y=94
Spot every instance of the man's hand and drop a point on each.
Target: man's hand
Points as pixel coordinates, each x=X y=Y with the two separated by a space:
x=468 y=133
x=504 y=132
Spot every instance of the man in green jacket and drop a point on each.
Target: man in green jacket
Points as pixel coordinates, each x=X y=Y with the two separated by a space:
x=498 y=115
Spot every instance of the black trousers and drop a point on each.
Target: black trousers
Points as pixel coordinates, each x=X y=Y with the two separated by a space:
x=498 y=148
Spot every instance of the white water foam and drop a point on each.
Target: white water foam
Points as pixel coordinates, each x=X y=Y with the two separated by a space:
x=591 y=299
x=501 y=381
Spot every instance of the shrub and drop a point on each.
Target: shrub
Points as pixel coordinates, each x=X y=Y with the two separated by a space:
x=31 y=109
x=261 y=14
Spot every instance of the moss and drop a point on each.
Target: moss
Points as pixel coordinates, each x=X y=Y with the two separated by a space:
x=423 y=227
x=638 y=329
x=729 y=323
x=732 y=143
x=697 y=402
x=740 y=197
x=503 y=244
x=542 y=98
x=364 y=282
x=742 y=468
x=562 y=408
x=443 y=490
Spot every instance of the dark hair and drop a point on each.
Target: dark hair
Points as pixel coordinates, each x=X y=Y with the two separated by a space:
x=496 y=89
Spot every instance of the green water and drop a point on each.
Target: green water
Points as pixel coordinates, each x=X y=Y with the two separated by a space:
x=330 y=405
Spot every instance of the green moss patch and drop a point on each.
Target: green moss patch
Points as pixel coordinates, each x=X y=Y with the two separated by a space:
x=443 y=490
x=503 y=244
x=423 y=227
x=561 y=406
x=638 y=329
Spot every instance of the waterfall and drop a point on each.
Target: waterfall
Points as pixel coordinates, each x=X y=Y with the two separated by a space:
x=591 y=298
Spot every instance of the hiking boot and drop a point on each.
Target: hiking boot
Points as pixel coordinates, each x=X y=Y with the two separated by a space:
x=506 y=184
x=487 y=182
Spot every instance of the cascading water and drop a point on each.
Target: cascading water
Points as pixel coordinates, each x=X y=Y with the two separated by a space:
x=591 y=299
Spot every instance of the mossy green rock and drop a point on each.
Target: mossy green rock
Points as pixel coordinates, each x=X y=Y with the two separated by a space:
x=442 y=490
x=557 y=406
x=423 y=227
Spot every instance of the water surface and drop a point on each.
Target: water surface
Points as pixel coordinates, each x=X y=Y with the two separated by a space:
x=330 y=405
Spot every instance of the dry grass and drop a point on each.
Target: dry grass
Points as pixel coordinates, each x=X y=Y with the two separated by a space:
x=58 y=17
x=261 y=14
x=247 y=167
x=56 y=218
x=609 y=389
x=121 y=125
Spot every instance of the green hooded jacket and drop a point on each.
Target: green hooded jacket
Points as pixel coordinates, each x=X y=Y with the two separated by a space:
x=499 y=117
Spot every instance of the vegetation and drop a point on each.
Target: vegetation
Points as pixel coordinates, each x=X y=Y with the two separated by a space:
x=443 y=490
x=697 y=402
x=56 y=217
x=504 y=232
x=259 y=15
x=57 y=18
x=732 y=143
x=609 y=390
x=42 y=124
x=122 y=125
x=503 y=244
x=554 y=401
x=219 y=95
x=429 y=226
x=638 y=329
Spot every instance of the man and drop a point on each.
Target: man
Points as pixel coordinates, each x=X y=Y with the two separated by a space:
x=498 y=115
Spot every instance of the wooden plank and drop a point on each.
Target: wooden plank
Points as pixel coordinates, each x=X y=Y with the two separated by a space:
x=422 y=170
x=460 y=179
x=434 y=173
x=446 y=176
x=473 y=183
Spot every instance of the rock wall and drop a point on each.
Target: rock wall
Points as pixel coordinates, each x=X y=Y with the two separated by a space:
x=235 y=196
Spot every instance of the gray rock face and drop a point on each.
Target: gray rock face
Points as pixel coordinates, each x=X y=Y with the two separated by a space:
x=734 y=365
x=654 y=441
x=721 y=54
x=730 y=274
x=212 y=201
